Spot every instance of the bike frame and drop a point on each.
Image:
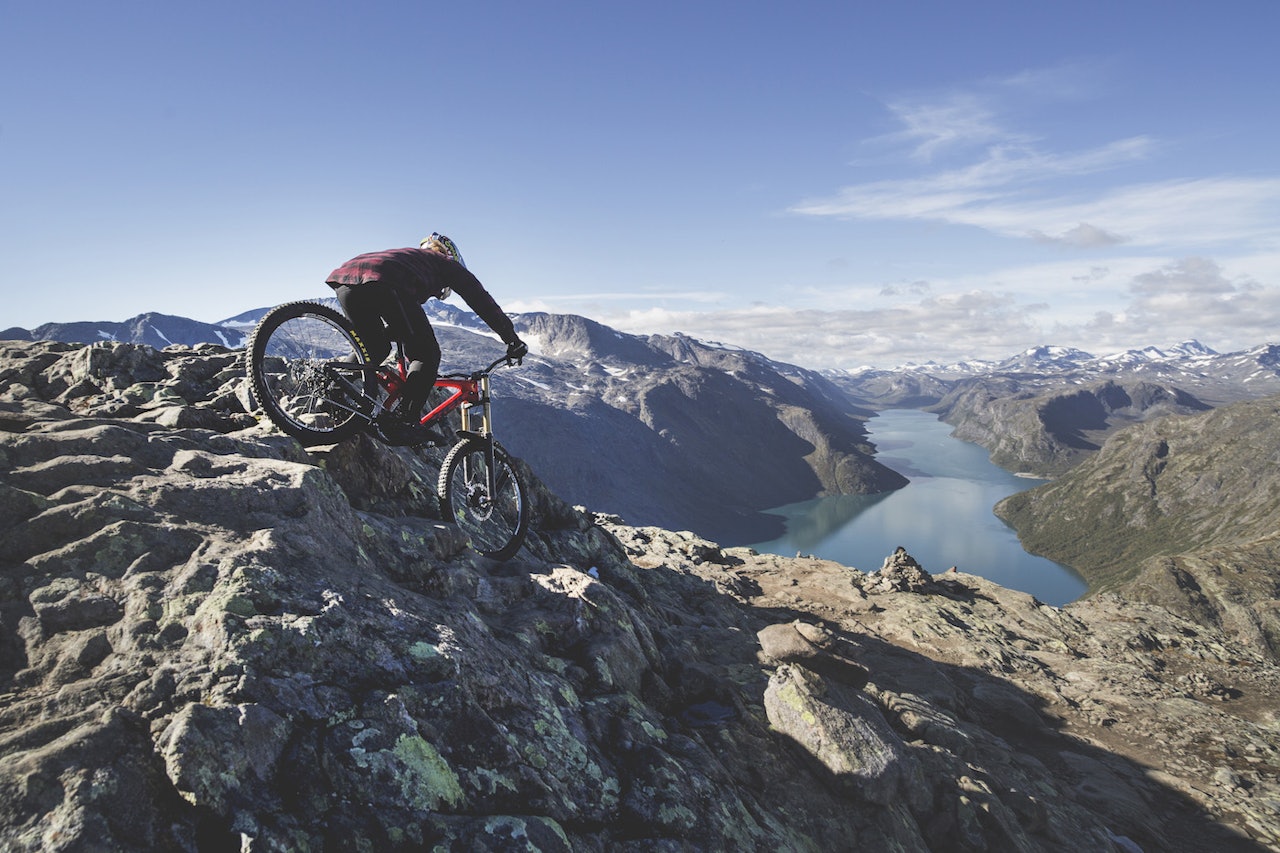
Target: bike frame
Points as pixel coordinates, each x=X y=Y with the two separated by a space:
x=466 y=392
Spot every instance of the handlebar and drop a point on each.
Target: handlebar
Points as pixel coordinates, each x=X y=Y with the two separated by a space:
x=510 y=362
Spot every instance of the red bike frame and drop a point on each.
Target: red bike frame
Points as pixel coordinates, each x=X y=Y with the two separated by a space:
x=464 y=392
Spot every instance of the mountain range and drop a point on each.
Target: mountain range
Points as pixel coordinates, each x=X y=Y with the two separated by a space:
x=1212 y=376
x=663 y=430
x=157 y=330
x=1059 y=359
x=688 y=434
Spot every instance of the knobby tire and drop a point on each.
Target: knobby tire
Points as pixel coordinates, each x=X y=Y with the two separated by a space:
x=497 y=524
x=286 y=362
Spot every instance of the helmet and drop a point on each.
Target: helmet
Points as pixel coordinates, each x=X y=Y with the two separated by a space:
x=441 y=243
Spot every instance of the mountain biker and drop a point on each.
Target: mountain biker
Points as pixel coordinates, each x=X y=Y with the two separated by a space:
x=382 y=294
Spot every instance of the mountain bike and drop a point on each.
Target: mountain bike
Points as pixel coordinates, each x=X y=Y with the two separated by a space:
x=312 y=376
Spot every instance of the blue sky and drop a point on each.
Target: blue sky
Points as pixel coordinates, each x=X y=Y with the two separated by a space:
x=832 y=184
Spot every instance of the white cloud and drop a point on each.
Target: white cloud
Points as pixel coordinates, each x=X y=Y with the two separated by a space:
x=1130 y=303
x=1194 y=298
x=977 y=194
x=1180 y=214
x=1014 y=185
x=997 y=195
x=948 y=327
x=937 y=125
x=1083 y=236
x=961 y=119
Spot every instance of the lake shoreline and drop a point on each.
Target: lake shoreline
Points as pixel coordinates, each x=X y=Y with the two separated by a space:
x=944 y=516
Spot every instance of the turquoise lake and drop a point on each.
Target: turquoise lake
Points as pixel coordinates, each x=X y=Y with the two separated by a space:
x=943 y=517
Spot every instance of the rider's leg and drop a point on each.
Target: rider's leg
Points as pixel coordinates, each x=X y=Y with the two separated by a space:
x=364 y=305
x=422 y=351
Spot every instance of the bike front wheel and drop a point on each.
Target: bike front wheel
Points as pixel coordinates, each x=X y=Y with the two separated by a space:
x=308 y=372
x=490 y=505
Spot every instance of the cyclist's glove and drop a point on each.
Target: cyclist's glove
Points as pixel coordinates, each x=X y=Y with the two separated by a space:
x=517 y=350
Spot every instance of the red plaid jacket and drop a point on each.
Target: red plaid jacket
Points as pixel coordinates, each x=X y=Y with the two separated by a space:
x=424 y=274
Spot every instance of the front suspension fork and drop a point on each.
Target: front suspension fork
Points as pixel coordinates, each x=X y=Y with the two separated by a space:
x=483 y=434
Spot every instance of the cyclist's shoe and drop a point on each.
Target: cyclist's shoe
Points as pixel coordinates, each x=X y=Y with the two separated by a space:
x=399 y=431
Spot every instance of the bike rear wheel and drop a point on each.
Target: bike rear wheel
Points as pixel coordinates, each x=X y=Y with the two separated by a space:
x=291 y=360
x=498 y=520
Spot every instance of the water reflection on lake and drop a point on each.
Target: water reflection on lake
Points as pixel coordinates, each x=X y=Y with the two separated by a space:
x=943 y=517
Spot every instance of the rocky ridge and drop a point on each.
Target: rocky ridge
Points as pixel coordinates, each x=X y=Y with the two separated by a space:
x=211 y=639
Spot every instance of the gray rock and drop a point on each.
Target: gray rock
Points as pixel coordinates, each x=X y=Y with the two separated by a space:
x=843 y=732
x=813 y=648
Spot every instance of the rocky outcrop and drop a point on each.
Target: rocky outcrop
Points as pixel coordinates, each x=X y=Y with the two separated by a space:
x=212 y=639
x=1005 y=714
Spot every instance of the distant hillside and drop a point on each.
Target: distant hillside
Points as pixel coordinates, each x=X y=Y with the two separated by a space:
x=1180 y=511
x=671 y=431
x=1046 y=434
x=157 y=330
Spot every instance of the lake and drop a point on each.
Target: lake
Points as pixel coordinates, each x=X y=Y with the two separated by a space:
x=943 y=517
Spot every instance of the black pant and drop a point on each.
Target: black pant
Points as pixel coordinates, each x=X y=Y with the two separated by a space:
x=382 y=313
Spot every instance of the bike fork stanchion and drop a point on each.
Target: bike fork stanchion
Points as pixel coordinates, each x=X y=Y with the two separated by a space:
x=484 y=434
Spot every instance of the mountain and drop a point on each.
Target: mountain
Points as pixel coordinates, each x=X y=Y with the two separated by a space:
x=1047 y=408
x=157 y=330
x=1047 y=433
x=670 y=431
x=1180 y=511
x=1044 y=359
x=212 y=639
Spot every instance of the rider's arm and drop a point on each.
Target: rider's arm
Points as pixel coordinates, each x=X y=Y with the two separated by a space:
x=478 y=300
